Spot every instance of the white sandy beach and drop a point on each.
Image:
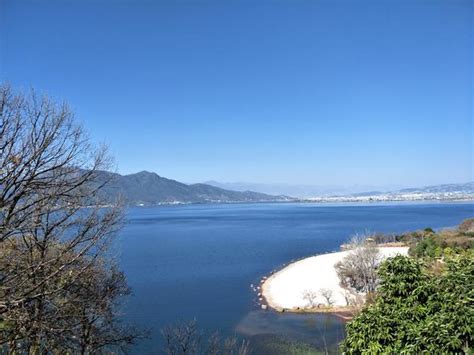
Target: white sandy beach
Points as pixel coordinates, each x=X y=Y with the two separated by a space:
x=285 y=288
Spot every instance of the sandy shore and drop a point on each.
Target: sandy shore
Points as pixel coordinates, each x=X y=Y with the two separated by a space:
x=285 y=289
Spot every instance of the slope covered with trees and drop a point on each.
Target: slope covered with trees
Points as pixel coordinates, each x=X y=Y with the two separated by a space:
x=424 y=303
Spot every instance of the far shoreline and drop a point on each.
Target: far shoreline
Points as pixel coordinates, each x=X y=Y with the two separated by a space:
x=307 y=202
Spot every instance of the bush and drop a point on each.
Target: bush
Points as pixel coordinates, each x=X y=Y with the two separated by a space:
x=415 y=312
x=467 y=226
x=433 y=245
x=426 y=247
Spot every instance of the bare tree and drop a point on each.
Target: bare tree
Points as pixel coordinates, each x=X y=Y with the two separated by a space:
x=228 y=346
x=54 y=230
x=182 y=338
x=328 y=295
x=186 y=338
x=360 y=239
x=310 y=296
x=358 y=269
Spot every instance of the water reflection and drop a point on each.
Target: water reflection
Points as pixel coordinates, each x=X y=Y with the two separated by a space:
x=198 y=262
x=319 y=330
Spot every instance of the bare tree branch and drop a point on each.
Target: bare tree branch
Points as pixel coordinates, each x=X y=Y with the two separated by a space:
x=57 y=291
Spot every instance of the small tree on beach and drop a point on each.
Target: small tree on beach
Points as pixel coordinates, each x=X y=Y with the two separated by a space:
x=358 y=269
x=310 y=296
x=328 y=295
x=360 y=239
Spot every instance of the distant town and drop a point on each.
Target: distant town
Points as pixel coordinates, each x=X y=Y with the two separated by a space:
x=149 y=189
x=418 y=196
x=447 y=192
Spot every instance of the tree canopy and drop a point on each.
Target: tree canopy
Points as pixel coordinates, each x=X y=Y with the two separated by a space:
x=417 y=311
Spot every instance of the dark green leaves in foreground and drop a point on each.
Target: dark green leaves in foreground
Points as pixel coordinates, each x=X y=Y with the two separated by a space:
x=416 y=311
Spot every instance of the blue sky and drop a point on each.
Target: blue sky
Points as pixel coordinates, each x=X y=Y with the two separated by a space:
x=300 y=92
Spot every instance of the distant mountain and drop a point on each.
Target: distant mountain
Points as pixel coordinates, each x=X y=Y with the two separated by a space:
x=301 y=191
x=467 y=187
x=463 y=188
x=445 y=192
x=147 y=188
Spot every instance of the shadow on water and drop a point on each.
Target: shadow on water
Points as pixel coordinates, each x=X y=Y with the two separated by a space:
x=274 y=333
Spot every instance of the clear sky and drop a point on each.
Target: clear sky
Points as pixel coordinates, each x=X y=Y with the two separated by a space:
x=300 y=92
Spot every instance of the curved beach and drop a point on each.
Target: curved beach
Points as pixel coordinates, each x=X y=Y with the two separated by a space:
x=285 y=289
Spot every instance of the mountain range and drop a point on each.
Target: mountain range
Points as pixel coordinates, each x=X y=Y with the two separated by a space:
x=445 y=192
x=302 y=191
x=463 y=188
x=330 y=192
x=148 y=189
x=467 y=187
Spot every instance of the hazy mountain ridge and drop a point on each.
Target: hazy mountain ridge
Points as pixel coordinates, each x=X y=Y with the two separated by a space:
x=460 y=188
x=444 y=192
x=147 y=188
x=302 y=191
x=334 y=191
x=467 y=187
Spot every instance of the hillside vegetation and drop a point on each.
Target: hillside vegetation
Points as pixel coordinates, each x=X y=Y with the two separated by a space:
x=424 y=303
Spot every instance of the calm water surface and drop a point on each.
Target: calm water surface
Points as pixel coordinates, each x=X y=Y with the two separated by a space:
x=198 y=261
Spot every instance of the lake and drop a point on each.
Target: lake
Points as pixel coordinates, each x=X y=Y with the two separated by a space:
x=198 y=261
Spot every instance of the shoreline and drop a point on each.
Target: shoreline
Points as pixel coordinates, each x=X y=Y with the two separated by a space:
x=285 y=289
x=309 y=202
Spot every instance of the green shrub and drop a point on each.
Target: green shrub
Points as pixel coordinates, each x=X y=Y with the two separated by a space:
x=415 y=312
x=426 y=247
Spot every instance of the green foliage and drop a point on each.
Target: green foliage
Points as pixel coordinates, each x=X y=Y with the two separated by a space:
x=415 y=312
x=428 y=230
x=429 y=245
x=449 y=252
x=277 y=345
x=426 y=247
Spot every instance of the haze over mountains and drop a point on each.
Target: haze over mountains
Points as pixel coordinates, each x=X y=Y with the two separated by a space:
x=467 y=187
x=445 y=192
x=333 y=192
x=302 y=191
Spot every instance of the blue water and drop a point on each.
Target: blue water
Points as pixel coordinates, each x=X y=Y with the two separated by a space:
x=198 y=261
